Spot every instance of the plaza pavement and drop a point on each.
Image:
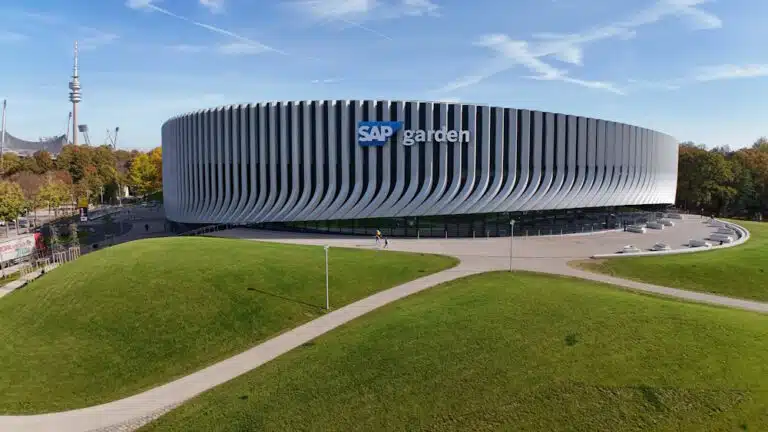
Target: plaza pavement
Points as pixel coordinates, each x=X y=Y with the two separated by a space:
x=543 y=254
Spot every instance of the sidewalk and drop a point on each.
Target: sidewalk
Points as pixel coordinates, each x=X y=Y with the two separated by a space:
x=18 y=283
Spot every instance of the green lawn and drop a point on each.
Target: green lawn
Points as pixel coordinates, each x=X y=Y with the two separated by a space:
x=9 y=277
x=740 y=271
x=508 y=351
x=133 y=316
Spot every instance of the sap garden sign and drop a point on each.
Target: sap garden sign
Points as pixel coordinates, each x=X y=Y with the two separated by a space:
x=377 y=133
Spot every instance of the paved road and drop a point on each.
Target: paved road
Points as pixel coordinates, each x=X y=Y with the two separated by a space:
x=479 y=255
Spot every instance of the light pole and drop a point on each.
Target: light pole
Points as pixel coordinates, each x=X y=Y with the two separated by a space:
x=327 y=301
x=511 y=241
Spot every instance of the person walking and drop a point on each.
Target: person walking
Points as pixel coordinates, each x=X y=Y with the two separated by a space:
x=378 y=236
x=146 y=227
x=386 y=242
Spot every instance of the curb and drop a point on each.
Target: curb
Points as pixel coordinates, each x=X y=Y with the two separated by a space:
x=743 y=237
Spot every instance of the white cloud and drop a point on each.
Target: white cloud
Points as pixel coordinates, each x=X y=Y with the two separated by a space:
x=138 y=4
x=214 y=6
x=240 y=48
x=569 y=48
x=364 y=10
x=729 y=71
x=354 y=12
x=326 y=81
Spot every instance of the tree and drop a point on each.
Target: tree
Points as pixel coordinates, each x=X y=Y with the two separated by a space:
x=12 y=202
x=11 y=164
x=156 y=157
x=143 y=174
x=761 y=144
x=74 y=237
x=704 y=179
x=54 y=193
x=43 y=160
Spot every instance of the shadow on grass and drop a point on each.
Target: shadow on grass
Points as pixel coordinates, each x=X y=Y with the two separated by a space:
x=299 y=302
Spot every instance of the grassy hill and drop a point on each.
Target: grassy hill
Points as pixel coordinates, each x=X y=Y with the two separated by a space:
x=128 y=318
x=509 y=351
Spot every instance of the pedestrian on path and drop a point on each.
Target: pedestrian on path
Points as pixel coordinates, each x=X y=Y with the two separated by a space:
x=386 y=242
x=378 y=236
x=146 y=227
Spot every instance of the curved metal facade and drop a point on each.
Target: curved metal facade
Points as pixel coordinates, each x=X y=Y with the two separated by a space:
x=301 y=161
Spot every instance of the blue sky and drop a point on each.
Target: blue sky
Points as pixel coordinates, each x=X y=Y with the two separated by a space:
x=695 y=69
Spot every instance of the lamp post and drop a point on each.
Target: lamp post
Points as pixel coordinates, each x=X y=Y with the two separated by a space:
x=327 y=301
x=511 y=241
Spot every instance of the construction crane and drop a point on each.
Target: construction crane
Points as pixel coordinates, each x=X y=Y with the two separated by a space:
x=69 y=121
x=84 y=129
x=112 y=139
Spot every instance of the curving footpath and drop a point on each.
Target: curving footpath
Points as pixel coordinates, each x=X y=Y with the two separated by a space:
x=545 y=255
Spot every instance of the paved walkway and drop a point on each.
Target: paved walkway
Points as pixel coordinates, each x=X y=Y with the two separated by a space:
x=540 y=254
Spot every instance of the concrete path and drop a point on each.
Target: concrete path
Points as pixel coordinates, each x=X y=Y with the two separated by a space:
x=20 y=282
x=541 y=254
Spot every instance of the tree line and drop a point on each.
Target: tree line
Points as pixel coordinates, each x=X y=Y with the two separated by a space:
x=723 y=182
x=78 y=172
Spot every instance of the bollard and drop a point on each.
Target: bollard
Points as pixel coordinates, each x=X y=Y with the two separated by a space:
x=446 y=234
x=526 y=233
x=539 y=232
x=418 y=234
x=487 y=234
x=582 y=228
x=550 y=231
x=561 y=231
x=473 y=233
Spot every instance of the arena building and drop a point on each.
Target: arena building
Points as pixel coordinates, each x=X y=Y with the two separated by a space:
x=411 y=169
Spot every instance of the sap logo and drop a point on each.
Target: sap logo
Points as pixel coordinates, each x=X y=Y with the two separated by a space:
x=376 y=133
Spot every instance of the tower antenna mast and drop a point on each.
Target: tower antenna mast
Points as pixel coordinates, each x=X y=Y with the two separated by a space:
x=74 y=96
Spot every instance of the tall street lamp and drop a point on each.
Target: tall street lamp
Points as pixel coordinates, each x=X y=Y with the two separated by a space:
x=511 y=241
x=327 y=301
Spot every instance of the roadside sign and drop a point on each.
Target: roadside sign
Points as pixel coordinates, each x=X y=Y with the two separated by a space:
x=82 y=203
x=83 y=214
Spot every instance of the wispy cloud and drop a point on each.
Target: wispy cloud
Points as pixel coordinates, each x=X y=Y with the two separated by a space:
x=326 y=81
x=151 y=6
x=240 y=48
x=635 y=84
x=88 y=37
x=95 y=38
x=7 y=37
x=534 y=55
x=186 y=48
x=355 y=12
x=729 y=71
x=233 y=49
x=214 y=6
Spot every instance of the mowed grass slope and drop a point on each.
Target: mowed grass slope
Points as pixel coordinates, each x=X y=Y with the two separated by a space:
x=508 y=351
x=740 y=271
x=137 y=315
